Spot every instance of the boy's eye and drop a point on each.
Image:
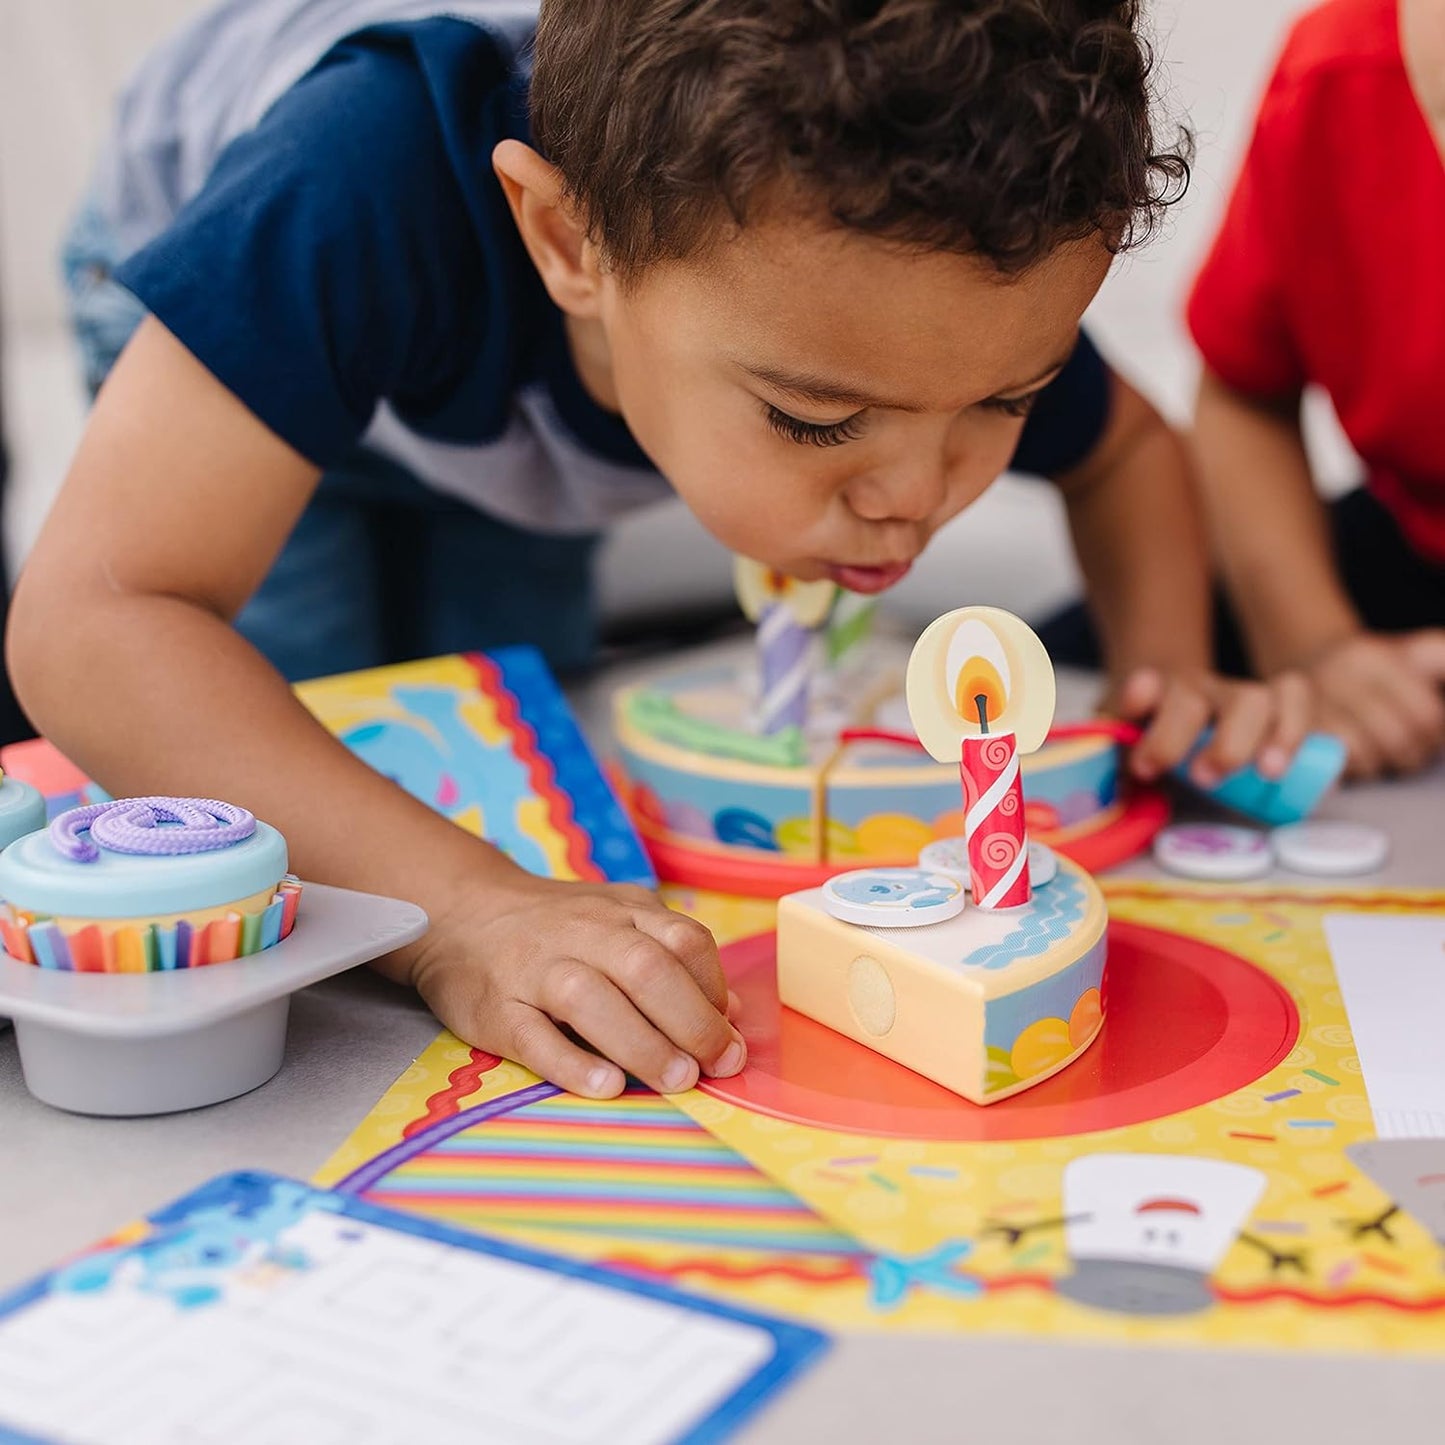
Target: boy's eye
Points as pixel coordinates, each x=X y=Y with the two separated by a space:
x=811 y=433
x=1012 y=405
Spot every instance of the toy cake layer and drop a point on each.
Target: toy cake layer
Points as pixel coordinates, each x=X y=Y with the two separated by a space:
x=694 y=775
x=986 y=1004
x=159 y=890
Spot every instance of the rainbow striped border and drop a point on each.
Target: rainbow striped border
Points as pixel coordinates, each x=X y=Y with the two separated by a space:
x=149 y=948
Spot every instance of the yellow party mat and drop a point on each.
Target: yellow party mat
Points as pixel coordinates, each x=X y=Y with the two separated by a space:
x=1206 y=1174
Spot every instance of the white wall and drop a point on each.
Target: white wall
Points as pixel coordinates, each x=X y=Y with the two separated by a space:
x=61 y=60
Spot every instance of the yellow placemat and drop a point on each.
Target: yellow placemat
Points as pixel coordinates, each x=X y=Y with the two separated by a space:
x=966 y=1241
x=1305 y=1267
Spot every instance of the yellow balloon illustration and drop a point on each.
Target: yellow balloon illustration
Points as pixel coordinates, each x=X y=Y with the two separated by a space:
x=1042 y=1046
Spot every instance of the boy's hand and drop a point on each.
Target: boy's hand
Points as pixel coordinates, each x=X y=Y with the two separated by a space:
x=1382 y=696
x=513 y=972
x=1262 y=723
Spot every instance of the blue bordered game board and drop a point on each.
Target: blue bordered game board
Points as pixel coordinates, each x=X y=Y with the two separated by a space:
x=260 y=1309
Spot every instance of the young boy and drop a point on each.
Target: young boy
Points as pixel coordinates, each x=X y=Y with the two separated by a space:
x=1328 y=270
x=812 y=261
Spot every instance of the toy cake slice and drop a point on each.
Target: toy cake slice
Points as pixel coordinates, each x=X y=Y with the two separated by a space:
x=985 y=1003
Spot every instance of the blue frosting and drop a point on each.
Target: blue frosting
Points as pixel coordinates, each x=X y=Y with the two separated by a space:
x=1055 y=910
x=34 y=877
x=22 y=810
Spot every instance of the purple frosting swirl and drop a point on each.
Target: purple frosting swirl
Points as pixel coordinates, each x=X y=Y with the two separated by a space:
x=135 y=825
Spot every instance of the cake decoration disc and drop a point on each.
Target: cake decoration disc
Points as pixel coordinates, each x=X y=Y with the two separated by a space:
x=946 y=855
x=1218 y=852
x=950 y=856
x=1331 y=850
x=1043 y=864
x=893 y=897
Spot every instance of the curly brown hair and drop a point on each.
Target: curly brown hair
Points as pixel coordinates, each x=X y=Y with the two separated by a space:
x=999 y=128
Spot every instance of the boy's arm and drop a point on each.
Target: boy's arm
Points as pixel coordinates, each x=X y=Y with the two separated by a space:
x=1142 y=548
x=1381 y=694
x=123 y=653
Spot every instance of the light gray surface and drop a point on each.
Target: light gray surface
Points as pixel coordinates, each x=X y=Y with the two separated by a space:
x=66 y=1180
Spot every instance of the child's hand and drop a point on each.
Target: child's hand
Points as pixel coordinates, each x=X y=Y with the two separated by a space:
x=1382 y=696
x=1262 y=723
x=611 y=963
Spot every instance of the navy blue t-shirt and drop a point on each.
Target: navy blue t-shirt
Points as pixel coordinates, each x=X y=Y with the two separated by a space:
x=349 y=269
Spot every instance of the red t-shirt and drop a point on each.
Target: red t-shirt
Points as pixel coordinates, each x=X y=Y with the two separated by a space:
x=1330 y=265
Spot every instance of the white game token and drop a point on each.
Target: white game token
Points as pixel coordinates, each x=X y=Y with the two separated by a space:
x=950 y=855
x=1043 y=864
x=946 y=855
x=893 y=897
x=1331 y=850
x=1219 y=852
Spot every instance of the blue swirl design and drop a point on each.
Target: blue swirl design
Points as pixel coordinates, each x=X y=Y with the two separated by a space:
x=893 y=888
x=1056 y=909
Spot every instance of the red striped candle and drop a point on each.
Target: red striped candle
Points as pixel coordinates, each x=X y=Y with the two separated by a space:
x=993 y=821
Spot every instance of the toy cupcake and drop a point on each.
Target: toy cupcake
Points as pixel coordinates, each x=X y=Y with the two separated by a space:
x=22 y=810
x=146 y=884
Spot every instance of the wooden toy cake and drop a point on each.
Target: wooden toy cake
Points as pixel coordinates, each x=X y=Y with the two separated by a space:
x=986 y=1003
x=787 y=764
x=986 y=997
x=145 y=885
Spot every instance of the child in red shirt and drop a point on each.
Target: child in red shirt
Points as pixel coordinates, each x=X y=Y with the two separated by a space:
x=1329 y=269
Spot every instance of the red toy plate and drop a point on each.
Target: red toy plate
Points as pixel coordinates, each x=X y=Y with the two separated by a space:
x=1185 y=1023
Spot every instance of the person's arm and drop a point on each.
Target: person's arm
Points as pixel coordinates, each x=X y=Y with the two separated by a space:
x=1143 y=551
x=1140 y=542
x=1269 y=527
x=121 y=647
x=1381 y=694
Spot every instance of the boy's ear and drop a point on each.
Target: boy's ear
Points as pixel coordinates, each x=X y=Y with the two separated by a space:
x=551 y=230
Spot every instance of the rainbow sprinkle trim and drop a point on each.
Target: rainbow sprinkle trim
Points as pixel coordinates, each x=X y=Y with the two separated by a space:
x=149 y=948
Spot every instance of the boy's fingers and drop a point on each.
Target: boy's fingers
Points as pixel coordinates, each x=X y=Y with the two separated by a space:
x=1182 y=716
x=538 y=1044
x=1362 y=761
x=1425 y=652
x=692 y=944
x=667 y=993
x=1239 y=733
x=588 y=1001
x=1392 y=718
x=1421 y=708
x=633 y=894
x=1294 y=711
x=1142 y=693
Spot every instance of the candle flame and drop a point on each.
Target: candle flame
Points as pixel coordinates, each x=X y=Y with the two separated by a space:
x=979 y=678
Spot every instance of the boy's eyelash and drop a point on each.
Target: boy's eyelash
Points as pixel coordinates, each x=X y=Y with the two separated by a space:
x=1012 y=405
x=812 y=434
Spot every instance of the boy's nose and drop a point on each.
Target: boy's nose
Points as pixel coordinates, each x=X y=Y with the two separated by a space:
x=908 y=491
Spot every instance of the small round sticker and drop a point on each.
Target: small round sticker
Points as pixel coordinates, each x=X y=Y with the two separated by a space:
x=893 y=897
x=946 y=855
x=1331 y=850
x=1218 y=852
x=950 y=856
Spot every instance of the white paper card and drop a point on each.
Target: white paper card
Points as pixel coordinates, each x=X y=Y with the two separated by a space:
x=1392 y=975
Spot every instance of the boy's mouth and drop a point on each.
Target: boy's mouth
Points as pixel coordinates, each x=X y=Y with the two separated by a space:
x=869 y=579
